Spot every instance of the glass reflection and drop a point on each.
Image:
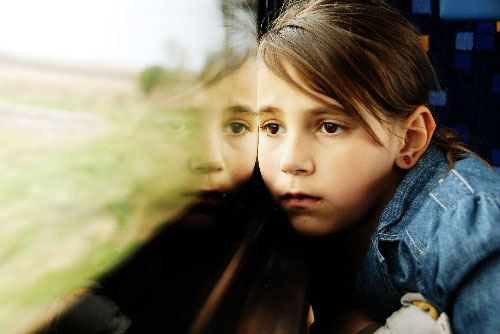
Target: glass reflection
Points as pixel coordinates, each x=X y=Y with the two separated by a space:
x=137 y=163
x=221 y=118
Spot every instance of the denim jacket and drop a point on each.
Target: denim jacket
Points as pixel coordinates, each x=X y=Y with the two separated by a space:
x=439 y=235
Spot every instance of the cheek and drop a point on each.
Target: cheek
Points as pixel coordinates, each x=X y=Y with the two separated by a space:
x=240 y=158
x=359 y=177
x=269 y=162
x=240 y=175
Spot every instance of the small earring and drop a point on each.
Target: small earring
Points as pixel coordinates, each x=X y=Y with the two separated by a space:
x=407 y=159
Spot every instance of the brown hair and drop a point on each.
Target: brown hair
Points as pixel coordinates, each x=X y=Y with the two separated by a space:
x=364 y=54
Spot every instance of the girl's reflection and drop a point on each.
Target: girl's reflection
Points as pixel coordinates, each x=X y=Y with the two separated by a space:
x=220 y=120
x=207 y=136
x=161 y=286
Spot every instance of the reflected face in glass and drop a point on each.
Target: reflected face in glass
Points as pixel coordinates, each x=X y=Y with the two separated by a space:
x=219 y=121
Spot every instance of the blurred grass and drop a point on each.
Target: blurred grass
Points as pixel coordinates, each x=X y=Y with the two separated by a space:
x=71 y=205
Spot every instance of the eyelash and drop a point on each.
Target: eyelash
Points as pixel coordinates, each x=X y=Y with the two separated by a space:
x=338 y=128
x=178 y=125
x=266 y=126
x=228 y=128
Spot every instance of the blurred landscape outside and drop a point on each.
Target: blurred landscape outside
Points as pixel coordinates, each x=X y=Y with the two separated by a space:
x=87 y=170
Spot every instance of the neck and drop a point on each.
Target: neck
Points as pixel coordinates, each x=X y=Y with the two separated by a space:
x=358 y=239
x=359 y=236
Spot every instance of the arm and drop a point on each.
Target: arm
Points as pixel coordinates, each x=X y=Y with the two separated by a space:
x=468 y=265
x=476 y=308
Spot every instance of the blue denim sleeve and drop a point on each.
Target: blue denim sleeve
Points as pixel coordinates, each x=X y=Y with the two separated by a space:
x=462 y=264
x=477 y=304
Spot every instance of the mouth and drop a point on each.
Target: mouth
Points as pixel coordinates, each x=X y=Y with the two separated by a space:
x=211 y=197
x=299 y=200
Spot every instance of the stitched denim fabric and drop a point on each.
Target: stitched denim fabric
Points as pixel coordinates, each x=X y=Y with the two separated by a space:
x=440 y=236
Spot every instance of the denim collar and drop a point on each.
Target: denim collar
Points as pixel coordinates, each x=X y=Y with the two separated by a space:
x=415 y=186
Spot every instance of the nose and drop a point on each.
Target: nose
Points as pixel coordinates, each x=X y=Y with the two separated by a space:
x=208 y=157
x=297 y=157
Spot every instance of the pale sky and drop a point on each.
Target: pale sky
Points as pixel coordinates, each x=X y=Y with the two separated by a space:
x=111 y=32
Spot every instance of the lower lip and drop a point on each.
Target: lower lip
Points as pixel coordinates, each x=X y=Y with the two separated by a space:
x=207 y=200
x=301 y=202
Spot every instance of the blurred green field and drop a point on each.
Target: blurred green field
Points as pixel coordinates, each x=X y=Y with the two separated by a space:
x=73 y=203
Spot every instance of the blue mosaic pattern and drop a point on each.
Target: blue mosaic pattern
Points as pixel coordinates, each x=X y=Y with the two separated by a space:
x=437 y=97
x=464 y=41
x=496 y=83
x=495 y=159
x=469 y=9
x=421 y=6
x=463 y=61
x=466 y=57
x=463 y=131
x=484 y=42
x=486 y=26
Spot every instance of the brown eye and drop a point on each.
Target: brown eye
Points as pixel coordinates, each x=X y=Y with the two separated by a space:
x=331 y=128
x=235 y=128
x=273 y=129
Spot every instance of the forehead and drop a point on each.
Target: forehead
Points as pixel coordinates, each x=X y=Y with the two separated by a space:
x=236 y=89
x=274 y=91
x=275 y=96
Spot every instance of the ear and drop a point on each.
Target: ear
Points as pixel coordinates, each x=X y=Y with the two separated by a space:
x=417 y=132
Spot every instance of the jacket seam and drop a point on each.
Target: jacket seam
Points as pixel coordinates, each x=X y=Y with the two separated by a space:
x=390 y=235
x=414 y=243
x=438 y=201
x=463 y=181
x=384 y=271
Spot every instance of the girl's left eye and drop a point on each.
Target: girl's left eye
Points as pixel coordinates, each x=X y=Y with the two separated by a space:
x=236 y=128
x=331 y=128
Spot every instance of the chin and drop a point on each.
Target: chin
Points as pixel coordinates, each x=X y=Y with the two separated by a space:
x=203 y=215
x=311 y=226
x=199 y=220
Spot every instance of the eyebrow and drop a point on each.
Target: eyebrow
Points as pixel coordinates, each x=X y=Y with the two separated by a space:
x=334 y=110
x=268 y=110
x=239 y=109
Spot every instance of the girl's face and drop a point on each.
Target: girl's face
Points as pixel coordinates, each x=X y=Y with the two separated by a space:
x=221 y=118
x=320 y=165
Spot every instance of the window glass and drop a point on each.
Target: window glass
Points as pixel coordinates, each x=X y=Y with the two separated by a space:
x=117 y=118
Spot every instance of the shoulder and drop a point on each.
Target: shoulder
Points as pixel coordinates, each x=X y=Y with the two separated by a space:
x=469 y=179
x=466 y=229
x=439 y=226
x=436 y=204
x=466 y=204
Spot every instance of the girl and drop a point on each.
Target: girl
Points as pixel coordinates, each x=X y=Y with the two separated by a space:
x=216 y=128
x=348 y=143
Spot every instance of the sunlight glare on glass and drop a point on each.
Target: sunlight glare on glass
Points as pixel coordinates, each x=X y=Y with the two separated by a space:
x=112 y=32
